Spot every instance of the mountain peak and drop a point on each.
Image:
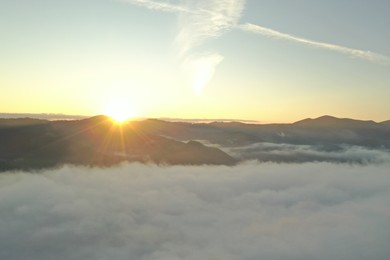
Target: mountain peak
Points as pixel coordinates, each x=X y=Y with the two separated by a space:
x=331 y=121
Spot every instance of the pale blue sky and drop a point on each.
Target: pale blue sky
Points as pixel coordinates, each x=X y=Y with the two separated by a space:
x=197 y=62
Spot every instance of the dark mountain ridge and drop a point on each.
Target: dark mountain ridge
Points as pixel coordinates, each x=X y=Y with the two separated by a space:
x=97 y=141
x=330 y=121
x=323 y=130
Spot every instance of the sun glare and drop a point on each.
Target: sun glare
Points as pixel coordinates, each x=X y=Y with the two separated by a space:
x=119 y=111
x=119 y=118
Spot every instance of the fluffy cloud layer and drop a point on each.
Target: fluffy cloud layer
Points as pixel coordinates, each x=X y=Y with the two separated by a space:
x=252 y=211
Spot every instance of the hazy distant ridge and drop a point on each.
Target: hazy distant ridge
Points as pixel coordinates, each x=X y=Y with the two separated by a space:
x=47 y=116
x=97 y=141
x=37 y=143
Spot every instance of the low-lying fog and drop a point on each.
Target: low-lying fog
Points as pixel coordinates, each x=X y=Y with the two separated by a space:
x=250 y=211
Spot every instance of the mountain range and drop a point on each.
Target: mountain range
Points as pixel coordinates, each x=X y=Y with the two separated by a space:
x=27 y=143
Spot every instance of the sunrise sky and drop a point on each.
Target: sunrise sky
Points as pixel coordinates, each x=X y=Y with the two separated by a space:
x=271 y=61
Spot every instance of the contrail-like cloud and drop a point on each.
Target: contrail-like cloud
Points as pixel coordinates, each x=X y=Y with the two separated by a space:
x=368 y=55
x=204 y=20
x=200 y=70
x=159 y=6
x=199 y=21
x=209 y=19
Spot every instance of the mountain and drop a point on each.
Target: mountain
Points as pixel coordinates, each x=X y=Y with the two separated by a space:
x=334 y=122
x=385 y=124
x=33 y=144
x=324 y=130
x=97 y=141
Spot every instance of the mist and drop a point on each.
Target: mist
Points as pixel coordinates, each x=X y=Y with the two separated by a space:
x=250 y=211
x=301 y=153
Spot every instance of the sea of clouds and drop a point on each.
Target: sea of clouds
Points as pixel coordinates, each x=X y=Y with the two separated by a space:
x=250 y=211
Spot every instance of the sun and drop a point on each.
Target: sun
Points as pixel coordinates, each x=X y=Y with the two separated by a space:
x=119 y=117
x=119 y=110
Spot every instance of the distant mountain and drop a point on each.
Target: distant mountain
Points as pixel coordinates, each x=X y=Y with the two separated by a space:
x=385 y=124
x=33 y=144
x=330 y=121
x=97 y=141
x=42 y=116
x=324 y=130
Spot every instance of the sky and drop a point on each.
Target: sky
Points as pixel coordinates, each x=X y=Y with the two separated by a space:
x=270 y=61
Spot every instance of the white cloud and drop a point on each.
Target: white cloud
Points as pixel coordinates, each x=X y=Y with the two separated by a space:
x=158 y=5
x=199 y=21
x=207 y=20
x=368 y=55
x=200 y=70
x=281 y=152
x=202 y=20
x=252 y=211
x=210 y=19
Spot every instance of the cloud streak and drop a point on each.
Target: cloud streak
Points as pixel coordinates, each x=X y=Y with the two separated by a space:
x=207 y=20
x=159 y=6
x=252 y=211
x=201 y=69
x=210 y=19
x=367 y=55
x=199 y=21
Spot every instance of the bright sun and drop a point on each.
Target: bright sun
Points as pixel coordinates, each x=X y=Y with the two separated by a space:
x=119 y=111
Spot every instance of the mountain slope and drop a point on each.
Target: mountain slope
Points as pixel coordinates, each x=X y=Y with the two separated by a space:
x=334 y=122
x=324 y=130
x=95 y=141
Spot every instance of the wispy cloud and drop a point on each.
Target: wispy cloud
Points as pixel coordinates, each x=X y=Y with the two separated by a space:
x=207 y=20
x=199 y=21
x=200 y=70
x=368 y=55
x=204 y=20
x=160 y=6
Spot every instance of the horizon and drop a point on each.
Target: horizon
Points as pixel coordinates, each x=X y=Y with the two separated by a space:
x=61 y=116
